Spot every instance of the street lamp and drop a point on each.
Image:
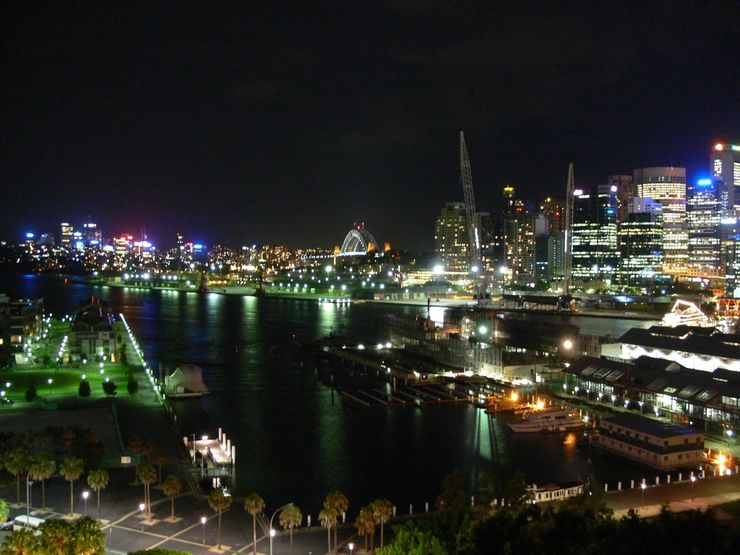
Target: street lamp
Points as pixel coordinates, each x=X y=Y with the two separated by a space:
x=351 y=547
x=643 y=487
x=693 y=481
x=203 y=522
x=567 y=344
x=29 y=486
x=272 y=530
x=49 y=381
x=142 y=506
x=85 y=495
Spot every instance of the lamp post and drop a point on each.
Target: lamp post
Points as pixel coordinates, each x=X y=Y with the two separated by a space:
x=50 y=381
x=693 y=481
x=85 y=495
x=142 y=506
x=643 y=487
x=351 y=547
x=272 y=530
x=203 y=522
x=29 y=486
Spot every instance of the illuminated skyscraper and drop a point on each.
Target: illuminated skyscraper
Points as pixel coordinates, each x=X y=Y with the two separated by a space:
x=641 y=242
x=706 y=206
x=668 y=186
x=67 y=234
x=725 y=165
x=625 y=193
x=595 y=254
x=451 y=237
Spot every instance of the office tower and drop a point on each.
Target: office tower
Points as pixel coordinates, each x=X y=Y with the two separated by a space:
x=641 y=242
x=595 y=253
x=625 y=193
x=91 y=233
x=519 y=235
x=67 y=234
x=706 y=205
x=724 y=164
x=555 y=212
x=668 y=186
x=730 y=255
x=451 y=237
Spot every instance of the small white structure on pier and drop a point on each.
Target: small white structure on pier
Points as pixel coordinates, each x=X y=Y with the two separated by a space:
x=185 y=381
x=217 y=456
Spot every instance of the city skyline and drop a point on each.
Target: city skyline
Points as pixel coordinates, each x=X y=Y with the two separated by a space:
x=226 y=125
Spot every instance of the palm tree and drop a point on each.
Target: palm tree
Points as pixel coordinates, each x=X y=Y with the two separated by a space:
x=55 y=537
x=365 y=524
x=219 y=502
x=160 y=460
x=87 y=537
x=98 y=480
x=146 y=474
x=15 y=463
x=382 y=511
x=72 y=468
x=4 y=510
x=328 y=517
x=290 y=517
x=21 y=542
x=42 y=468
x=254 y=505
x=171 y=487
x=337 y=501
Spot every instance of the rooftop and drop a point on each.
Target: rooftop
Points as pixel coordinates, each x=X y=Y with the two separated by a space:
x=703 y=341
x=649 y=426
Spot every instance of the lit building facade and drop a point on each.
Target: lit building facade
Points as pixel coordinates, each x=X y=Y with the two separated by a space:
x=451 y=238
x=668 y=186
x=706 y=205
x=67 y=234
x=724 y=165
x=641 y=242
x=595 y=253
x=625 y=193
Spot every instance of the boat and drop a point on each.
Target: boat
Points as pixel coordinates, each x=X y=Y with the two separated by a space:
x=551 y=420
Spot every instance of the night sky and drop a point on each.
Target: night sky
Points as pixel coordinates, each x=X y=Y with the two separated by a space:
x=237 y=122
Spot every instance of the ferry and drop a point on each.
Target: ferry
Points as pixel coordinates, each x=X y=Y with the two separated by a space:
x=552 y=420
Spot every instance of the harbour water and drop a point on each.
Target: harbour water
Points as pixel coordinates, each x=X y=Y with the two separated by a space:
x=296 y=439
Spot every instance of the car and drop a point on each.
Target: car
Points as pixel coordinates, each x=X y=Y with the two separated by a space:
x=7 y=525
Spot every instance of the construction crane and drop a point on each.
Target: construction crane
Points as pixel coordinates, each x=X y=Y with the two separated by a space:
x=471 y=216
x=568 y=262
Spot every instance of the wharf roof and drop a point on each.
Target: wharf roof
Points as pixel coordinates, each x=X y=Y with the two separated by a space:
x=690 y=339
x=660 y=377
x=648 y=426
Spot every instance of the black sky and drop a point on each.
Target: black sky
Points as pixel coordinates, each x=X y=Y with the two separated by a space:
x=240 y=122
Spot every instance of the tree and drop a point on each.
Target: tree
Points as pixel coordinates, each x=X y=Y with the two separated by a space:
x=21 y=542
x=365 y=524
x=290 y=517
x=16 y=463
x=160 y=460
x=87 y=537
x=410 y=540
x=132 y=386
x=147 y=474
x=172 y=486
x=55 y=537
x=4 y=510
x=219 y=503
x=328 y=517
x=98 y=480
x=31 y=392
x=110 y=387
x=42 y=468
x=382 y=512
x=254 y=505
x=453 y=494
x=84 y=388
x=338 y=502
x=72 y=468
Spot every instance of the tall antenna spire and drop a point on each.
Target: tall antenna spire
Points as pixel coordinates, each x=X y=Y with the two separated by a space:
x=471 y=217
x=569 y=208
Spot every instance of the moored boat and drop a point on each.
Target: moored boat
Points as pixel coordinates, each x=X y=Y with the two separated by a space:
x=552 y=420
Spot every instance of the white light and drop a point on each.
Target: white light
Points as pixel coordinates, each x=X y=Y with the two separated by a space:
x=388 y=345
x=272 y=532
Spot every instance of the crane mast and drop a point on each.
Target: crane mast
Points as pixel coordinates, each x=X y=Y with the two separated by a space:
x=569 y=208
x=471 y=217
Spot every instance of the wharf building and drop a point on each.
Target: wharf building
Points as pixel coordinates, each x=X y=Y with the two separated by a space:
x=657 y=445
x=667 y=185
x=595 y=253
x=93 y=333
x=661 y=388
x=641 y=243
x=20 y=321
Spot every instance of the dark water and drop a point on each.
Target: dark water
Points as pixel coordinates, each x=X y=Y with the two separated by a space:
x=295 y=440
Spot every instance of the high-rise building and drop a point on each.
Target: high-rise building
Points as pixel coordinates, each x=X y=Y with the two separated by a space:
x=555 y=212
x=707 y=204
x=730 y=251
x=625 y=193
x=724 y=164
x=595 y=254
x=67 y=234
x=451 y=237
x=519 y=235
x=91 y=233
x=641 y=242
x=668 y=186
